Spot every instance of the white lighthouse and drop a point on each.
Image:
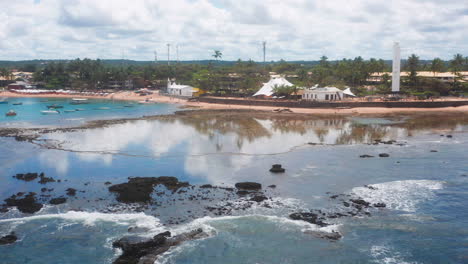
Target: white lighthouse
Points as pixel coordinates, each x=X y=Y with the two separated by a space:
x=396 y=68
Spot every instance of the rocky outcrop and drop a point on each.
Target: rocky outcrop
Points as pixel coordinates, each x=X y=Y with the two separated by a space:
x=366 y=156
x=71 y=192
x=309 y=217
x=250 y=186
x=277 y=168
x=384 y=155
x=26 y=176
x=139 y=189
x=136 y=251
x=8 y=239
x=28 y=204
x=45 y=179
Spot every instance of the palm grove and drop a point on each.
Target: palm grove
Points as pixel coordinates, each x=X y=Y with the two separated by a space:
x=243 y=78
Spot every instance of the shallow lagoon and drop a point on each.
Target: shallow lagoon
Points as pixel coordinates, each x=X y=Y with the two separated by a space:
x=425 y=192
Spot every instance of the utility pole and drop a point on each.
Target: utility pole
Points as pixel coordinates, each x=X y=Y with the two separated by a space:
x=168 y=54
x=177 y=53
x=264 y=52
x=155 y=57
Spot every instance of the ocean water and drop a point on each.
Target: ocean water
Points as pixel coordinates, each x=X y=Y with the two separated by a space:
x=425 y=221
x=29 y=112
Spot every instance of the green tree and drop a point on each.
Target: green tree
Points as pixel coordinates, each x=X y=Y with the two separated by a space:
x=217 y=55
x=437 y=65
x=412 y=66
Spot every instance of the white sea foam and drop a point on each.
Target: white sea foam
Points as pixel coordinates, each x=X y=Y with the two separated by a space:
x=91 y=218
x=386 y=255
x=399 y=195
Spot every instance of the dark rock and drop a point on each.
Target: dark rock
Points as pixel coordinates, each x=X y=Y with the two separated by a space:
x=259 y=198
x=380 y=205
x=146 y=252
x=206 y=186
x=139 y=189
x=71 y=192
x=334 y=196
x=272 y=186
x=242 y=193
x=384 y=155
x=346 y=204
x=449 y=136
x=370 y=187
x=276 y=168
x=43 y=189
x=433 y=150
x=360 y=202
x=308 y=217
x=8 y=239
x=28 y=204
x=26 y=177
x=366 y=156
x=108 y=183
x=253 y=186
x=59 y=200
x=45 y=179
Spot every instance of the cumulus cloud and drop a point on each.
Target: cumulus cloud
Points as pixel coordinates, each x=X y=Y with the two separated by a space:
x=294 y=29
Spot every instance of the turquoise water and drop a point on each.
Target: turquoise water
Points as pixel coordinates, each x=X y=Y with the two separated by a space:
x=425 y=220
x=29 y=113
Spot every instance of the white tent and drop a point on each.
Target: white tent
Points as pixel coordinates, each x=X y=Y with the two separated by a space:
x=347 y=91
x=267 y=88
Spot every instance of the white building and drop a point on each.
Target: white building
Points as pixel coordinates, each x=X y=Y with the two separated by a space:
x=179 y=89
x=323 y=94
x=268 y=88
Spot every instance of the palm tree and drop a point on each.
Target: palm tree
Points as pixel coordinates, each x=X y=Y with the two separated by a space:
x=437 y=65
x=413 y=64
x=217 y=55
x=456 y=65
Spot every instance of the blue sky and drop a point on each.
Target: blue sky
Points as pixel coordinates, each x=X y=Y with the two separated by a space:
x=293 y=29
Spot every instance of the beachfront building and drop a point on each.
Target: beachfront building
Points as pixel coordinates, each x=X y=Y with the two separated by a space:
x=267 y=90
x=322 y=94
x=377 y=77
x=180 y=89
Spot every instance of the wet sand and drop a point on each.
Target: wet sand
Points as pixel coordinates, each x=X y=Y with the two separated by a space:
x=131 y=96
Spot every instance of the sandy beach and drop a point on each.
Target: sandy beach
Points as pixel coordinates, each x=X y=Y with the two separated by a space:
x=131 y=96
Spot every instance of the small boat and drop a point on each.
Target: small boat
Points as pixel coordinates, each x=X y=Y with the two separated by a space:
x=79 y=109
x=11 y=113
x=130 y=105
x=69 y=111
x=54 y=106
x=77 y=101
x=102 y=108
x=20 y=103
x=50 y=112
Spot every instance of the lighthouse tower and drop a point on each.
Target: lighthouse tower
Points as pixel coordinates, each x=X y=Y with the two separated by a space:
x=396 y=68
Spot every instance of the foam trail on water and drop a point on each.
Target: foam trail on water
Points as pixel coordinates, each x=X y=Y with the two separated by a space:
x=399 y=195
x=91 y=218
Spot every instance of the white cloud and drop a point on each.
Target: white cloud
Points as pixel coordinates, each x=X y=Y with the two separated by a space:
x=294 y=29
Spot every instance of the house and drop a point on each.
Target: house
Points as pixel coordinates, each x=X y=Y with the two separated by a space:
x=180 y=89
x=322 y=94
x=268 y=88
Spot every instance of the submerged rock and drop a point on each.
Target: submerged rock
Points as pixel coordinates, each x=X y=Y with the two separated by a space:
x=71 y=192
x=28 y=204
x=26 y=176
x=59 y=200
x=277 y=168
x=360 y=202
x=146 y=252
x=366 y=156
x=8 y=239
x=253 y=186
x=45 y=179
x=139 y=189
x=384 y=155
x=308 y=217
x=380 y=205
x=259 y=198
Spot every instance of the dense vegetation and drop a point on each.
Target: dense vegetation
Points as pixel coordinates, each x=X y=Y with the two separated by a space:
x=242 y=78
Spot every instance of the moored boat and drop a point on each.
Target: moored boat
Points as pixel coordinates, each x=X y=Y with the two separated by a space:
x=11 y=113
x=54 y=106
x=50 y=112
x=20 y=103
x=69 y=111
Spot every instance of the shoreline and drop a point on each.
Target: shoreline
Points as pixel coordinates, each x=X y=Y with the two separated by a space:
x=156 y=98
